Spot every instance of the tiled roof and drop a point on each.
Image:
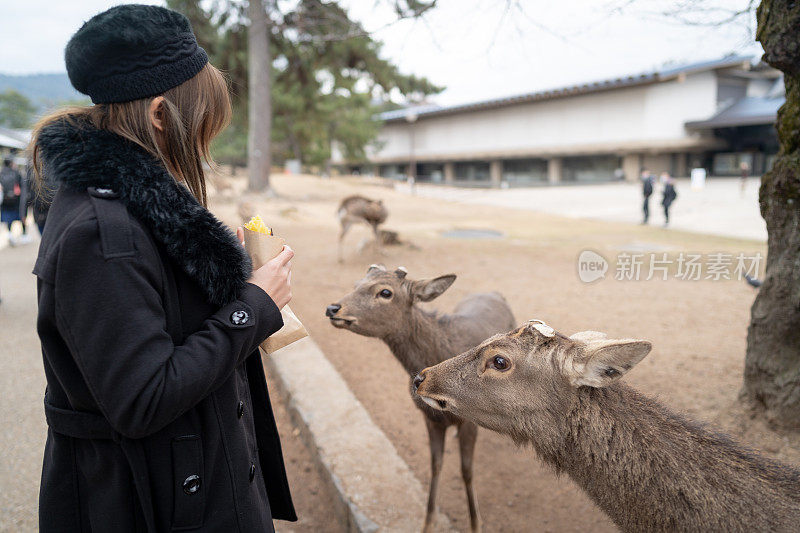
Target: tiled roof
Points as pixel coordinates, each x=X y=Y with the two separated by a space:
x=572 y=90
x=743 y=112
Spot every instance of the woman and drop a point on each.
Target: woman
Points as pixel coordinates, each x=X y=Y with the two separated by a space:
x=149 y=314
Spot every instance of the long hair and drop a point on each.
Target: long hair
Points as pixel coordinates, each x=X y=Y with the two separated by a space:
x=195 y=112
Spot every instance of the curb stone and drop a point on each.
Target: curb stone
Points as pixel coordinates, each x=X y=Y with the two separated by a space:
x=358 y=463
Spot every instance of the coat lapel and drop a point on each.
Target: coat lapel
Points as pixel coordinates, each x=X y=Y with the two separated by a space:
x=77 y=155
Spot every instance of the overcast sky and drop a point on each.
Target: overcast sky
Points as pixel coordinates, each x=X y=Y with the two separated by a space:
x=476 y=48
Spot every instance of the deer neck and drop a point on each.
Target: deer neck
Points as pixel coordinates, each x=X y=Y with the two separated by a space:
x=421 y=341
x=642 y=464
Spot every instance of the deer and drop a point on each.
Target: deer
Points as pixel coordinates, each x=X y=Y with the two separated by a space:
x=646 y=467
x=360 y=209
x=384 y=305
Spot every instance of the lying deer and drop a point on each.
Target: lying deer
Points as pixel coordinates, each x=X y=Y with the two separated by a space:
x=355 y=209
x=648 y=468
x=384 y=305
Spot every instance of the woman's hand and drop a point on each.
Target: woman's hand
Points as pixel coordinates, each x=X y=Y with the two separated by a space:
x=275 y=276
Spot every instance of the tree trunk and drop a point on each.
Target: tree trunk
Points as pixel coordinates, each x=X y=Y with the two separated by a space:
x=294 y=144
x=772 y=365
x=259 y=156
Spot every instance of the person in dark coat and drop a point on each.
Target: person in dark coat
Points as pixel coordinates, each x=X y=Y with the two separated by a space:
x=150 y=315
x=647 y=191
x=669 y=195
x=11 y=185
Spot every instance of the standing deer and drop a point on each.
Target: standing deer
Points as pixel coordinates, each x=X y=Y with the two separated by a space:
x=384 y=305
x=355 y=209
x=648 y=468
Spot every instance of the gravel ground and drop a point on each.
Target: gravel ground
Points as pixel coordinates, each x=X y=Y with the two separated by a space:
x=22 y=382
x=720 y=208
x=698 y=328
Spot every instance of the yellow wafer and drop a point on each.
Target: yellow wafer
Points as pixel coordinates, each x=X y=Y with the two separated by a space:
x=257 y=225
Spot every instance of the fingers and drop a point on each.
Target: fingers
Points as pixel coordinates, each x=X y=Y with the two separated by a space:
x=285 y=256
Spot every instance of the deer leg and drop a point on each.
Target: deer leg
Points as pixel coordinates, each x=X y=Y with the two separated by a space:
x=377 y=233
x=346 y=223
x=467 y=436
x=436 y=437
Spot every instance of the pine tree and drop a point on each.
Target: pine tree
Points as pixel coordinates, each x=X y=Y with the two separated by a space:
x=328 y=80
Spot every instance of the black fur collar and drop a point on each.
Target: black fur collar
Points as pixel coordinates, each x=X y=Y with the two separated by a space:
x=77 y=155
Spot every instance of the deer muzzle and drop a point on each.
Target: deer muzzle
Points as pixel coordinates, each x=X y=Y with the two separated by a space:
x=420 y=389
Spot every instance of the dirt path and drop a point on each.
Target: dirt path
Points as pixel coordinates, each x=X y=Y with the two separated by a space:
x=698 y=328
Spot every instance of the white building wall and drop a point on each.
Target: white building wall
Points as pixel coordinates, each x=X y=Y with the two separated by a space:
x=760 y=88
x=618 y=119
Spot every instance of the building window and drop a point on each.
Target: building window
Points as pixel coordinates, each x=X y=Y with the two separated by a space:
x=729 y=164
x=395 y=172
x=525 y=171
x=472 y=172
x=430 y=172
x=590 y=168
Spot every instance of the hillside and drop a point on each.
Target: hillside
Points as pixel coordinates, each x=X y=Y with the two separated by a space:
x=44 y=90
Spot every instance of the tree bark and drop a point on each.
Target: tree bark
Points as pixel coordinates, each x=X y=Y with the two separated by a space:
x=259 y=156
x=772 y=365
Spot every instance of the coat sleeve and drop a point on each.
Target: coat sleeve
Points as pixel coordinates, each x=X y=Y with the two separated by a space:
x=111 y=315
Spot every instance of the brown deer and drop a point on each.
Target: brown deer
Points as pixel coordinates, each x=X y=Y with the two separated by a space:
x=384 y=305
x=648 y=468
x=355 y=209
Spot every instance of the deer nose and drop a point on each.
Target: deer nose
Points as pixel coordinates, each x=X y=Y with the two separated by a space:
x=418 y=379
x=332 y=310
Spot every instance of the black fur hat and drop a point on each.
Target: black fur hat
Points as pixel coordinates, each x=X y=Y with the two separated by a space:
x=132 y=51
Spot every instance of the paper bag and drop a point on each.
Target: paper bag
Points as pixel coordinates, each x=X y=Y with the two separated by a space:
x=261 y=248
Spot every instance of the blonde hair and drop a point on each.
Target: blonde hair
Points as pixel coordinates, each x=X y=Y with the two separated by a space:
x=194 y=113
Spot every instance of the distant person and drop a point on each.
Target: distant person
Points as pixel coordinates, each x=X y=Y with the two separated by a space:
x=744 y=167
x=647 y=191
x=11 y=182
x=669 y=195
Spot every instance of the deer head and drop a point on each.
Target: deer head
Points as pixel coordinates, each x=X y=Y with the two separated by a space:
x=527 y=376
x=381 y=302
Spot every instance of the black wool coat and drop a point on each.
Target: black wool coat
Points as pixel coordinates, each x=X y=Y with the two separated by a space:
x=158 y=412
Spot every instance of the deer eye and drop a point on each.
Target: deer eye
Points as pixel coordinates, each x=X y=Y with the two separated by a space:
x=500 y=363
x=385 y=293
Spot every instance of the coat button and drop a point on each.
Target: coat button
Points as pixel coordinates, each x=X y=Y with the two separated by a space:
x=239 y=317
x=252 y=472
x=102 y=193
x=240 y=410
x=191 y=484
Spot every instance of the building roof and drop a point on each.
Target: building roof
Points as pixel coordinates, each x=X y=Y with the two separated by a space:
x=743 y=112
x=16 y=139
x=431 y=110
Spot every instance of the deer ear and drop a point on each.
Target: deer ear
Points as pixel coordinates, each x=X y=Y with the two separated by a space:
x=601 y=362
x=588 y=336
x=376 y=268
x=427 y=289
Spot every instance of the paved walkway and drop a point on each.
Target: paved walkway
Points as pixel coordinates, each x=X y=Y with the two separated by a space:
x=719 y=209
x=22 y=384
